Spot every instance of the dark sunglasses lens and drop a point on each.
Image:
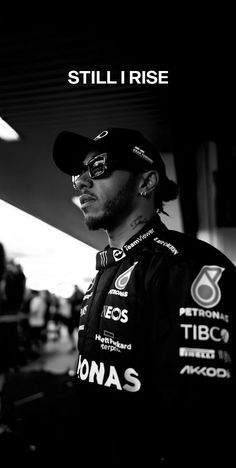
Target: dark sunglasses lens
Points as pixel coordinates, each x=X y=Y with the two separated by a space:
x=96 y=168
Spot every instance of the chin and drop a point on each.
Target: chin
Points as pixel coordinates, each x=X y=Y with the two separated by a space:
x=94 y=222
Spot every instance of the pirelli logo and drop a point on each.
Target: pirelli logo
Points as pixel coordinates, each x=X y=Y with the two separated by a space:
x=201 y=353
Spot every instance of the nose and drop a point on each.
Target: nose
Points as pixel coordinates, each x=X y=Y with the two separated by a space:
x=83 y=181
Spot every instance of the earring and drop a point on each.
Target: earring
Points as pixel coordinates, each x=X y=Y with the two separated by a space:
x=143 y=194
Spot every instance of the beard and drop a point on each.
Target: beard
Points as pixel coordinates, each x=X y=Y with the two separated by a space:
x=115 y=209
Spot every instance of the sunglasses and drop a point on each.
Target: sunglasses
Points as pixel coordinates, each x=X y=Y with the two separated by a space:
x=96 y=167
x=99 y=166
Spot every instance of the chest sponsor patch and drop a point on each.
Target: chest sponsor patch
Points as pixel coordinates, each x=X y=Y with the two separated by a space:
x=123 y=279
x=118 y=254
x=205 y=290
x=102 y=373
x=213 y=372
x=204 y=333
x=199 y=353
x=115 y=313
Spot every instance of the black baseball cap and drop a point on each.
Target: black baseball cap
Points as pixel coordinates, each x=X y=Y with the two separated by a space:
x=129 y=147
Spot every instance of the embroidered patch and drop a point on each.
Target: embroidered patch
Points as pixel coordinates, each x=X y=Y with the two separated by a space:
x=122 y=280
x=205 y=289
x=118 y=254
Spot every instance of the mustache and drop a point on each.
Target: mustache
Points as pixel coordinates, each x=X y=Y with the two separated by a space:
x=85 y=192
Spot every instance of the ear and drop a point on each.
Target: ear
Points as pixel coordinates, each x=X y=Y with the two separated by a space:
x=148 y=182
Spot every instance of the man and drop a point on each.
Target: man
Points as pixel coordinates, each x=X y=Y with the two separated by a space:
x=154 y=371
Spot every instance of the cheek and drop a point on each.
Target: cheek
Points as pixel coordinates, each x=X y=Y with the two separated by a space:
x=104 y=191
x=101 y=195
x=119 y=184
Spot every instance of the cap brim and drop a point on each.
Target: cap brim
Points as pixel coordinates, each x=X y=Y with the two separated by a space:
x=69 y=151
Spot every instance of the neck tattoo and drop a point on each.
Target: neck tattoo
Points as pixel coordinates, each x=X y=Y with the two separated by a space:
x=139 y=220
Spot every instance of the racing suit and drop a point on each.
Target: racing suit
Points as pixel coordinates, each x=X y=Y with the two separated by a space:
x=155 y=350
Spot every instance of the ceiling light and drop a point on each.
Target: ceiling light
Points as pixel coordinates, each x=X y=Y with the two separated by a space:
x=50 y=258
x=7 y=133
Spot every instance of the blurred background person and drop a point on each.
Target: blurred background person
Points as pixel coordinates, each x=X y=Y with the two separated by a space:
x=12 y=295
x=37 y=320
x=75 y=302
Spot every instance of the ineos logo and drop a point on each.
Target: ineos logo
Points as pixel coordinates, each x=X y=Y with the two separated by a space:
x=114 y=313
x=101 y=135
